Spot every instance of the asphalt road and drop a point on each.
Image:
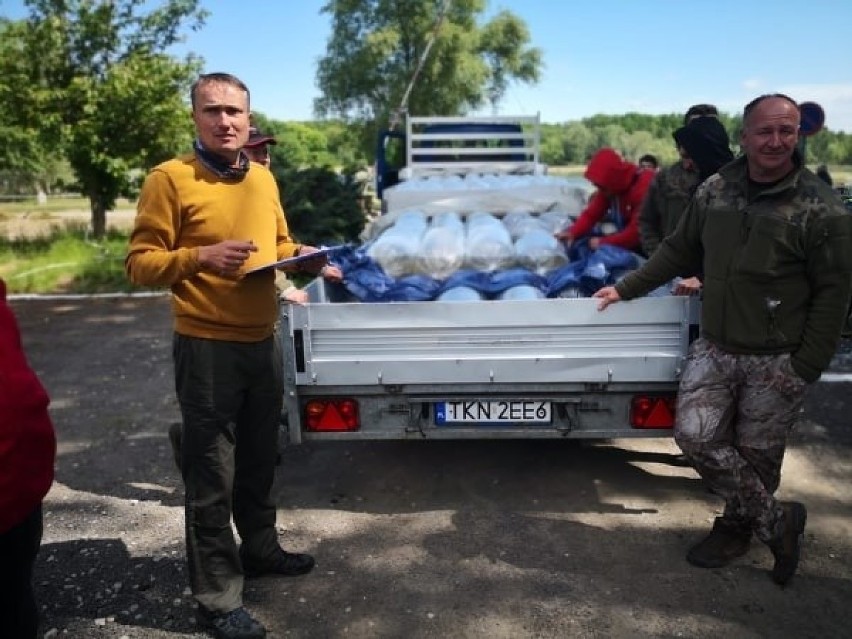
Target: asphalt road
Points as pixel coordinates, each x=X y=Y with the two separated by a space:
x=498 y=539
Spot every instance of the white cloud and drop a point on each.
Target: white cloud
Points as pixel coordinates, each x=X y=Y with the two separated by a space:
x=751 y=85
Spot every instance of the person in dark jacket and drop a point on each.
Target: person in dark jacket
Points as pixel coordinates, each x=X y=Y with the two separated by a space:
x=621 y=185
x=27 y=454
x=670 y=191
x=705 y=142
x=772 y=241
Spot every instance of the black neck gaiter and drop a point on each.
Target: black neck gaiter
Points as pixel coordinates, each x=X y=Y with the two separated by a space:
x=219 y=165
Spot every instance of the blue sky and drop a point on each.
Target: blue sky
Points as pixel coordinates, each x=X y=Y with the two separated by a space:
x=603 y=56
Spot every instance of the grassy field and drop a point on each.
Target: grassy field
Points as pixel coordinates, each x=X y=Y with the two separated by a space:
x=47 y=248
x=31 y=207
x=65 y=261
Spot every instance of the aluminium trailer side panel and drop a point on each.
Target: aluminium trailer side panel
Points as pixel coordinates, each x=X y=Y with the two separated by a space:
x=399 y=359
x=519 y=342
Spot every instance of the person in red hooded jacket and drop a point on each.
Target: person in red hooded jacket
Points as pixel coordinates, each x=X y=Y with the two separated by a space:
x=27 y=453
x=621 y=186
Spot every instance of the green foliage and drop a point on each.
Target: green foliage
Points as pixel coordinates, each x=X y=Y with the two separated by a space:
x=322 y=206
x=66 y=261
x=377 y=45
x=99 y=89
x=304 y=144
x=26 y=162
x=502 y=43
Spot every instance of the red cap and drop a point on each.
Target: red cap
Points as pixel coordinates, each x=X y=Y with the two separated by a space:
x=256 y=138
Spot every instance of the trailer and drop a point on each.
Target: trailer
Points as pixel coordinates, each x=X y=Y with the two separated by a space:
x=544 y=368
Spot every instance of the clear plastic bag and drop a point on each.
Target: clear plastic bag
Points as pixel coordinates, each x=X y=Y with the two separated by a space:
x=396 y=249
x=488 y=246
x=441 y=250
x=523 y=292
x=538 y=250
x=460 y=294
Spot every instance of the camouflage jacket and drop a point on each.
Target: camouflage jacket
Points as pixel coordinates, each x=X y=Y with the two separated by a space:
x=777 y=270
x=667 y=198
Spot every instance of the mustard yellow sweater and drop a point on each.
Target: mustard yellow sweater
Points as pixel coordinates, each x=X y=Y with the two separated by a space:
x=184 y=206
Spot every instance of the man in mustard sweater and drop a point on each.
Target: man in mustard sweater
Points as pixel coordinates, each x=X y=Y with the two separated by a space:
x=204 y=220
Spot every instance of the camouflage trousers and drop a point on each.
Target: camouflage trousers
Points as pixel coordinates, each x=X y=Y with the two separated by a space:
x=734 y=413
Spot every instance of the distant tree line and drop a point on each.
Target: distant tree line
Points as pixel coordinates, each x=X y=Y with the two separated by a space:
x=92 y=100
x=634 y=134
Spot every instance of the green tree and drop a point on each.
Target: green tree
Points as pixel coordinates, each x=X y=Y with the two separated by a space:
x=343 y=142
x=612 y=135
x=115 y=101
x=377 y=45
x=579 y=142
x=302 y=145
x=638 y=143
x=552 y=149
x=322 y=206
x=25 y=161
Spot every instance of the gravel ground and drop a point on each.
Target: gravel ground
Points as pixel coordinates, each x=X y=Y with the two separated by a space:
x=418 y=540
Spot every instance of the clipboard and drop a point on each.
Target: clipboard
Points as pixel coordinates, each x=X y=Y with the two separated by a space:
x=292 y=261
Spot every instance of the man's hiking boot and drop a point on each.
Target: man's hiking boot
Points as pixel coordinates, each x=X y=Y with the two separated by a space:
x=726 y=542
x=282 y=563
x=787 y=547
x=236 y=624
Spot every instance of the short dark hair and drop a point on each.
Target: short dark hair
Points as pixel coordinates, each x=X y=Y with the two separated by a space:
x=700 y=110
x=650 y=159
x=224 y=78
x=753 y=104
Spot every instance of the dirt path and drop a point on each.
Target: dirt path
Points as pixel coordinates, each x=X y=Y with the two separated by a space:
x=417 y=540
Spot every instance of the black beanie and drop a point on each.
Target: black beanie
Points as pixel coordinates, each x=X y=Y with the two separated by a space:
x=706 y=142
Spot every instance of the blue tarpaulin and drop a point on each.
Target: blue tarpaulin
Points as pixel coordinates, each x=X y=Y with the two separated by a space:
x=368 y=282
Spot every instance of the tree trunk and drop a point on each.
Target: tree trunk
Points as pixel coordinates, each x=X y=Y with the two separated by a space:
x=98 y=217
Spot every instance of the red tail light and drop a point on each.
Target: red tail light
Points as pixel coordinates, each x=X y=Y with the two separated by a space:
x=332 y=415
x=648 y=411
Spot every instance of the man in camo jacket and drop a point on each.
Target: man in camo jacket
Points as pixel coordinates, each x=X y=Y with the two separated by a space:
x=774 y=244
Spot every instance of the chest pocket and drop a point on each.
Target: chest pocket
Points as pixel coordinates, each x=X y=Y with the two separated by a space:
x=773 y=247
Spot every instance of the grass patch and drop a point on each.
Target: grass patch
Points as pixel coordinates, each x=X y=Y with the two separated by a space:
x=65 y=261
x=68 y=260
x=58 y=204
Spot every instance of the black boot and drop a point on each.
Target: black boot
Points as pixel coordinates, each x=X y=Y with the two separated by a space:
x=727 y=541
x=787 y=547
x=281 y=562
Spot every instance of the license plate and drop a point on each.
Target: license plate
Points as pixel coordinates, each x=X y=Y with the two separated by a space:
x=491 y=412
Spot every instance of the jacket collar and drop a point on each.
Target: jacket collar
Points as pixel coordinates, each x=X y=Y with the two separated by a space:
x=737 y=172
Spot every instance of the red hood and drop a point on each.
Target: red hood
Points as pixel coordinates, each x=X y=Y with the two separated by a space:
x=608 y=170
